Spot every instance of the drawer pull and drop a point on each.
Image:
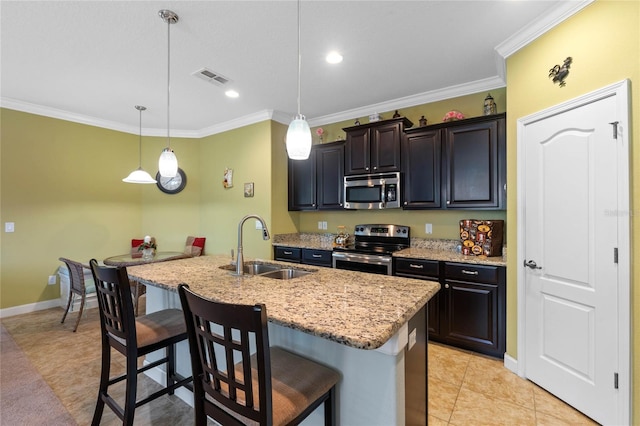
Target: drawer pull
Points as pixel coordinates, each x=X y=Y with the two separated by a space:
x=288 y=253
x=464 y=271
x=317 y=255
x=446 y=286
x=413 y=265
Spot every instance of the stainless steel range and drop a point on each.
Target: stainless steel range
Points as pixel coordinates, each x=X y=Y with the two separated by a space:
x=372 y=248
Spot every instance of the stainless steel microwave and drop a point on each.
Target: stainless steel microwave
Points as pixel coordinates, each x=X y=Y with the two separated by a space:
x=372 y=191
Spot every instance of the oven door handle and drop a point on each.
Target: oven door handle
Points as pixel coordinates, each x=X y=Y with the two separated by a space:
x=364 y=258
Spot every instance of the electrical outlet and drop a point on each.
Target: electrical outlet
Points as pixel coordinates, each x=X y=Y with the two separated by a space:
x=319 y=225
x=428 y=228
x=258 y=224
x=9 y=227
x=52 y=280
x=412 y=338
x=324 y=225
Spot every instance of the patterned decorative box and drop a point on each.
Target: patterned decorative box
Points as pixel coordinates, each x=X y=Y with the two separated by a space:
x=481 y=237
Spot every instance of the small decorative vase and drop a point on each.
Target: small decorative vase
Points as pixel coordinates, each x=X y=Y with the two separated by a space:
x=147 y=253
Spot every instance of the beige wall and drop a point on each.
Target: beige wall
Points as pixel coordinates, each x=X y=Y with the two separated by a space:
x=604 y=42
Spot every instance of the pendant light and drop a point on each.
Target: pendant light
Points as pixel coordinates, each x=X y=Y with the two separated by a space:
x=168 y=163
x=298 y=139
x=139 y=175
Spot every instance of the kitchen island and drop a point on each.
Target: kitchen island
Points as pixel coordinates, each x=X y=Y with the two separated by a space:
x=369 y=327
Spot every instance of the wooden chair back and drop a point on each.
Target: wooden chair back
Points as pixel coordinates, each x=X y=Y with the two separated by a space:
x=221 y=337
x=117 y=318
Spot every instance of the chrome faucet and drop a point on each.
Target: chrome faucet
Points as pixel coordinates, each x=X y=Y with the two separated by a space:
x=265 y=236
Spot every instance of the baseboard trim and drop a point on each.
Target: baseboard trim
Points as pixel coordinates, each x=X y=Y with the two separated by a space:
x=511 y=363
x=31 y=307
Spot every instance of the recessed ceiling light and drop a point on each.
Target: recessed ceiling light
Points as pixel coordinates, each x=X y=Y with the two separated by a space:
x=232 y=93
x=334 y=57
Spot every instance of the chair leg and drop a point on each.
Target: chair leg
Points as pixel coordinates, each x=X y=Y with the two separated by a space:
x=171 y=367
x=66 y=311
x=80 y=312
x=104 y=383
x=130 y=393
x=330 y=408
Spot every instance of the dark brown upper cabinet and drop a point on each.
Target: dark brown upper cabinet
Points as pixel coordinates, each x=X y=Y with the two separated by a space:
x=456 y=165
x=421 y=159
x=474 y=164
x=317 y=182
x=374 y=147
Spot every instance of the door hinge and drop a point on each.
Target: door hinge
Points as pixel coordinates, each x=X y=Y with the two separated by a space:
x=615 y=255
x=615 y=380
x=615 y=129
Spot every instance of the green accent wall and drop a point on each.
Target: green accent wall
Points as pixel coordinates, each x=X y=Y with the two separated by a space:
x=604 y=42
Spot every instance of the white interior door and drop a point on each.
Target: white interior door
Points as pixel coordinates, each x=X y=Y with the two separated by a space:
x=571 y=241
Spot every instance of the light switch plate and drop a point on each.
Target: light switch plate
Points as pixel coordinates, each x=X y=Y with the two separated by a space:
x=9 y=227
x=319 y=225
x=258 y=224
x=52 y=280
x=428 y=228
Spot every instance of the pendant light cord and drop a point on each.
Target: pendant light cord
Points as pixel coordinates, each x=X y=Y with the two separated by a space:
x=299 y=58
x=168 y=81
x=140 y=139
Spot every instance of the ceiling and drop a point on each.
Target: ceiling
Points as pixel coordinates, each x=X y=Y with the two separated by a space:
x=93 y=61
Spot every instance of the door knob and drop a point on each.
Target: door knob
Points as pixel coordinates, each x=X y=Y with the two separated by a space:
x=531 y=264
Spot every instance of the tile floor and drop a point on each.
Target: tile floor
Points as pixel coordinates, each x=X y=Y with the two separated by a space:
x=464 y=388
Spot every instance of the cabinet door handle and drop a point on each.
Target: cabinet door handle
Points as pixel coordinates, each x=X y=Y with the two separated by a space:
x=464 y=271
x=413 y=265
x=288 y=253
x=317 y=255
x=446 y=286
x=448 y=202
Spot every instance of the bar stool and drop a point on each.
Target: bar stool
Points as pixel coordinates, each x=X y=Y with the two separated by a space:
x=132 y=337
x=271 y=387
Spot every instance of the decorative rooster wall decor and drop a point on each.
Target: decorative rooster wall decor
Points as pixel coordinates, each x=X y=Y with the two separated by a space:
x=559 y=73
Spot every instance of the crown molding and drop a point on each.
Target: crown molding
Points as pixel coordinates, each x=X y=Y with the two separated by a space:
x=535 y=29
x=490 y=83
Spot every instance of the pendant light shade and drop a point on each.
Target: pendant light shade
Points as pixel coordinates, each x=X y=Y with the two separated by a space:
x=298 y=139
x=139 y=175
x=168 y=162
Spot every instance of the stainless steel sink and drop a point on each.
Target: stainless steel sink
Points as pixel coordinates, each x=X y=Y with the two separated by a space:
x=269 y=270
x=285 y=274
x=254 y=268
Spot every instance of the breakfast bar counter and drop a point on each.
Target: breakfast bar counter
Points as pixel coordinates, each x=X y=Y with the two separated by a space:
x=371 y=328
x=355 y=309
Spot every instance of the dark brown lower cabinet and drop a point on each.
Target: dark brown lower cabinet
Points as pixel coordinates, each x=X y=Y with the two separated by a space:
x=469 y=311
x=303 y=255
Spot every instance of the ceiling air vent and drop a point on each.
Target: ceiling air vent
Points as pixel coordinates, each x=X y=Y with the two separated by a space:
x=211 y=77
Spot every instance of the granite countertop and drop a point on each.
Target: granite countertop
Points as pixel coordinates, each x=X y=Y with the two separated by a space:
x=310 y=241
x=421 y=248
x=356 y=309
x=450 y=256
